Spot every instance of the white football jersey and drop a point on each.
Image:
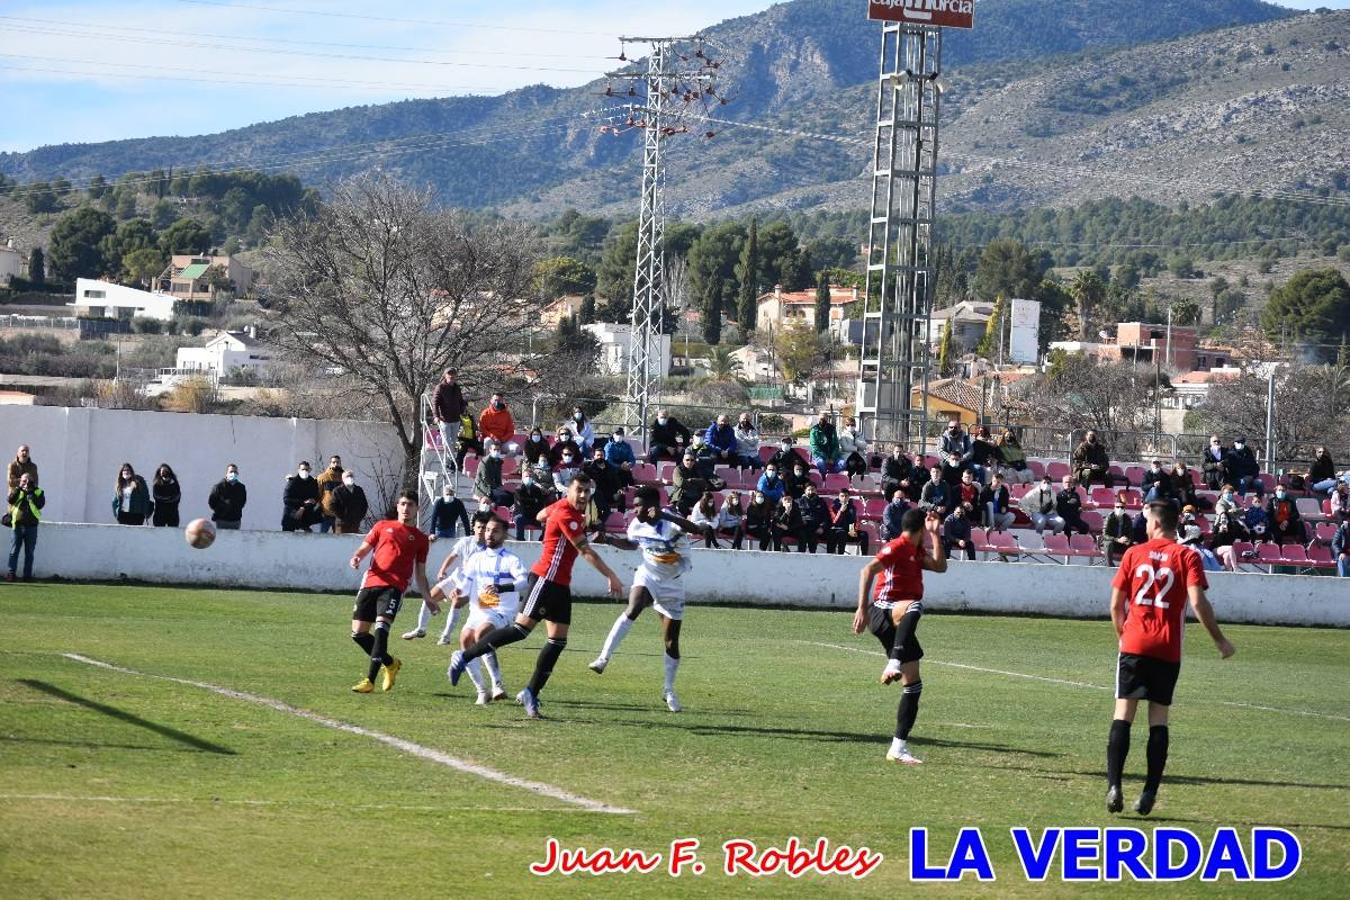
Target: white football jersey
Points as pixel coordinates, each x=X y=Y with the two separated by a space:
x=493 y=580
x=665 y=548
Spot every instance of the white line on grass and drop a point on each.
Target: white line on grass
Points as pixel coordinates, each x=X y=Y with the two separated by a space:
x=1096 y=687
x=427 y=753
x=319 y=804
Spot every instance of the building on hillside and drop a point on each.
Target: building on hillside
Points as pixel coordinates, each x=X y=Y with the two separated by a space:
x=226 y=355
x=951 y=398
x=565 y=307
x=1140 y=341
x=104 y=300
x=187 y=277
x=12 y=262
x=781 y=308
x=615 y=342
x=756 y=364
x=968 y=320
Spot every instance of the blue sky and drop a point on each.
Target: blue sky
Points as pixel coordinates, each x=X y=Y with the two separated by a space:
x=73 y=71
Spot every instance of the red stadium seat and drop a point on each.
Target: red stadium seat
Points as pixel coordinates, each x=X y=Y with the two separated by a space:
x=1037 y=468
x=816 y=478
x=1133 y=499
x=1294 y=554
x=1269 y=482
x=1004 y=544
x=835 y=482
x=1269 y=554
x=874 y=509
x=1197 y=478
x=1057 y=471
x=1309 y=509
x=1321 y=557
x=1324 y=532
x=979 y=539
x=645 y=473
x=664 y=472
x=1084 y=545
x=1117 y=474
x=1095 y=521
x=1134 y=475
x=1057 y=545
x=470 y=466
x=1104 y=497
x=616 y=523
x=766 y=451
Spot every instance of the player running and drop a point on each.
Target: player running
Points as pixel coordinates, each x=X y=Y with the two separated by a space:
x=460 y=552
x=400 y=550
x=550 y=592
x=1148 y=609
x=491 y=581
x=894 y=615
x=665 y=546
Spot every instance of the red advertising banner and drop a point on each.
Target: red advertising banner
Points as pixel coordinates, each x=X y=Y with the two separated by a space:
x=947 y=13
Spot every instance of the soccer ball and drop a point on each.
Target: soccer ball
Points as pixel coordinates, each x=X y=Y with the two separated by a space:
x=200 y=534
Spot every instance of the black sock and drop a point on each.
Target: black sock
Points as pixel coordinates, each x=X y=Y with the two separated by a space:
x=365 y=640
x=543 y=667
x=498 y=637
x=379 y=652
x=1117 y=748
x=1157 y=757
x=909 y=709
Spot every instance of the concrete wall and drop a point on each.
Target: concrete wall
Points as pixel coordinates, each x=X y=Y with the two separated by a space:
x=79 y=452
x=319 y=562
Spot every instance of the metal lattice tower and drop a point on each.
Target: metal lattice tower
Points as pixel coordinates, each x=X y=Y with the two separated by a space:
x=894 y=360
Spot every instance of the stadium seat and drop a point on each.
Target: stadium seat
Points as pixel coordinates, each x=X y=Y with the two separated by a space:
x=1018 y=491
x=1326 y=508
x=1197 y=478
x=1084 y=545
x=664 y=471
x=1269 y=482
x=1133 y=499
x=836 y=482
x=1117 y=473
x=874 y=509
x=1134 y=475
x=502 y=513
x=616 y=523
x=930 y=460
x=1095 y=521
x=1103 y=497
x=1037 y=468
x=979 y=539
x=816 y=478
x=1294 y=554
x=470 y=466
x=766 y=451
x=509 y=466
x=873 y=537
x=645 y=473
x=1320 y=557
x=1269 y=554
x=1004 y=544
x=1057 y=545
x=1324 y=532
x=1057 y=471
x=1309 y=508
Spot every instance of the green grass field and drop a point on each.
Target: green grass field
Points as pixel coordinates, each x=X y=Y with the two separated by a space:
x=118 y=785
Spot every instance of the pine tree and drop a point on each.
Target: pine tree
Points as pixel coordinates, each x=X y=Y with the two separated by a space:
x=712 y=315
x=945 y=360
x=588 y=309
x=748 y=272
x=823 y=302
x=37 y=266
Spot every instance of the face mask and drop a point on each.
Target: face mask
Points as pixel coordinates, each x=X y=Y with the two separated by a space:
x=496 y=454
x=1045 y=486
x=536 y=438
x=1280 y=494
x=349 y=481
x=567 y=458
x=1238 y=446
x=499 y=405
x=618 y=435
x=577 y=417
x=1228 y=495
x=231 y=476
x=661 y=420
x=1120 y=510
x=449 y=495
x=303 y=473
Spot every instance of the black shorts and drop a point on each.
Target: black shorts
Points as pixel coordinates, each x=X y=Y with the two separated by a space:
x=376 y=603
x=546 y=600
x=1146 y=678
x=880 y=624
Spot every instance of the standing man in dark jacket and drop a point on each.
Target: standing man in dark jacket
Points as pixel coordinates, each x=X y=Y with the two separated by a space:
x=300 y=500
x=815 y=518
x=448 y=404
x=1242 y=469
x=328 y=481
x=668 y=438
x=25 y=512
x=606 y=482
x=348 y=504
x=227 y=500
x=446 y=512
x=1340 y=548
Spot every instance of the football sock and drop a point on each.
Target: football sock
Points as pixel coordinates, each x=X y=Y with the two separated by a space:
x=1157 y=757
x=543 y=667
x=909 y=709
x=494 y=670
x=379 y=653
x=365 y=640
x=672 y=666
x=451 y=618
x=616 y=635
x=499 y=637
x=423 y=617
x=475 y=674
x=898 y=746
x=1117 y=748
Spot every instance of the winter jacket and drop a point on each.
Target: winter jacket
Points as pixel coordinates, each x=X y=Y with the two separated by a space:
x=1038 y=502
x=796 y=486
x=843 y=516
x=956 y=443
x=956 y=527
x=488 y=477
x=560 y=447
x=17 y=470
x=537 y=450
x=936 y=495
x=497 y=424
x=1286 y=509
x=999 y=498
x=815 y=514
x=1340 y=505
x=1340 y=541
x=530 y=499
x=445 y=514
x=227 y=501
x=349 y=506
x=329 y=479
x=1241 y=464
x=167 y=495
x=789 y=520
x=298 y=491
x=728 y=520
x=1152 y=477
x=784 y=460
x=851 y=442
x=618 y=451
x=747 y=441
x=1014 y=457
x=1069 y=505
x=773 y=490
x=891 y=520
x=141 y=504
x=1118 y=526
x=985 y=453
x=721 y=438
x=824 y=441
x=896 y=469
x=25 y=508
x=671 y=434
x=448 y=402
x=687 y=485
x=583 y=434
x=1322 y=469
x=1091 y=456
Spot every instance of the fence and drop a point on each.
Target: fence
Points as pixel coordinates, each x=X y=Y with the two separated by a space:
x=64 y=323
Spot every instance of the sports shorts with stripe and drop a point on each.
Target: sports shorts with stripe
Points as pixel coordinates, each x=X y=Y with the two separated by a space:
x=545 y=599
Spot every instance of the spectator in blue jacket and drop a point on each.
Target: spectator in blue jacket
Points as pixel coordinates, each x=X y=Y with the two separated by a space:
x=1340 y=547
x=771 y=486
x=893 y=515
x=721 y=439
x=1257 y=521
x=619 y=454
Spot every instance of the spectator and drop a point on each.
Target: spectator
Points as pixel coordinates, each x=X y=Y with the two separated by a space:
x=131 y=502
x=619 y=453
x=1257 y=521
x=1322 y=472
x=1213 y=463
x=487 y=482
x=536 y=448
x=563 y=446
x=1183 y=488
x=787 y=524
x=1340 y=503
x=996 y=503
x=166 y=493
x=770 y=485
x=1242 y=470
x=705 y=516
x=786 y=456
x=329 y=479
x=937 y=494
x=1141 y=528
x=824 y=442
x=759 y=519
x=26 y=500
x=687 y=484
x=1117 y=533
x=747 y=442
x=899 y=473
x=448 y=405
x=893 y=516
x=531 y=498
x=842 y=528
x=227 y=500
x=797 y=479
x=20 y=465
x=1014 y=458
x=815 y=517
x=1286 y=525
x=956 y=536
x=731 y=519
x=584 y=431
x=852 y=449
x=1190 y=535
x=605 y=480
x=1091 y=461
x=958 y=453
x=968 y=491
x=447 y=514
x=468 y=439
x=704 y=457
x=495 y=423
x=1228 y=526
x=984 y=453
x=720 y=439
x=1340 y=548
x=349 y=505
x=1069 y=508
x=1039 y=505
x=300 y=501
x=668 y=439
x=1156 y=483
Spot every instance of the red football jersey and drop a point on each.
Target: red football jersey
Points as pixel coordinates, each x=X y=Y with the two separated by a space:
x=397 y=549
x=1155 y=578
x=555 y=563
x=902 y=577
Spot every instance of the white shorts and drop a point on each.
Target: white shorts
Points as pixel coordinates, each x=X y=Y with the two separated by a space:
x=494 y=618
x=667 y=596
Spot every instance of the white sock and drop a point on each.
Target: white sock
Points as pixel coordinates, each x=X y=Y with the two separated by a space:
x=898 y=746
x=490 y=659
x=452 y=618
x=475 y=674
x=672 y=665
x=616 y=635
x=423 y=617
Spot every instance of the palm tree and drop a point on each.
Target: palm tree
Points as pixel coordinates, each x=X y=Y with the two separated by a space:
x=723 y=367
x=1088 y=291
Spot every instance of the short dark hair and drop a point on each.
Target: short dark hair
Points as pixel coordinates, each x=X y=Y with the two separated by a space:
x=1165 y=513
x=648 y=495
x=483 y=516
x=408 y=495
x=580 y=478
x=913 y=520
x=305 y=463
x=497 y=520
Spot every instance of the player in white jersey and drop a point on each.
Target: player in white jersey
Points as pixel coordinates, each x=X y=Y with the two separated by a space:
x=664 y=542
x=491 y=581
x=460 y=552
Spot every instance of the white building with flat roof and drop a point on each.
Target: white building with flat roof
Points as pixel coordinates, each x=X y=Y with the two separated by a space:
x=228 y=353
x=615 y=341
x=12 y=262
x=104 y=300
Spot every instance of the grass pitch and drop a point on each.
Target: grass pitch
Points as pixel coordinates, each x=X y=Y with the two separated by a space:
x=119 y=785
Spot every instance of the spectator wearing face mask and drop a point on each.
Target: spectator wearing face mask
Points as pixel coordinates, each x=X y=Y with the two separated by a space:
x=167 y=494
x=1069 y=508
x=1228 y=526
x=786 y=456
x=770 y=485
x=731 y=520
x=536 y=448
x=1242 y=471
x=495 y=423
x=1340 y=503
x=349 y=505
x=1091 y=461
x=606 y=483
x=583 y=430
x=1183 y=488
x=562 y=445
x=447 y=514
x=937 y=495
x=530 y=499
x=621 y=458
x=300 y=501
x=787 y=525
x=705 y=516
x=958 y=452
x=996 y=503
x=1156 y=483
x=1117 y=533
x=720 y=438
x=1286 y=525
x=669 y=438
x=815 y=517
x=759 y=519
x=487 y=482
x=893 y=516
x=687 y=484
x=131 y=500
x=1039 y=505
x=1212 y=463
x=824 y=443
x=227 y=500
x=852 y=449
x=327 y=481
x=1257 y=520
x=898 y=473
x=747 y=442
x=1014 y=458
x=704 y=457
x=956 y=533
x=796 y=479
x=1322 y=472
x=842 y=528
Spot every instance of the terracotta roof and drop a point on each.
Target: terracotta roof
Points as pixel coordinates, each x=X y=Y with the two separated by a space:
x=1204 y=377
x=839 y=296
x=956 y=391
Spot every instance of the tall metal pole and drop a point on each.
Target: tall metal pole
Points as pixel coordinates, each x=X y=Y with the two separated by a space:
x=1270 y=422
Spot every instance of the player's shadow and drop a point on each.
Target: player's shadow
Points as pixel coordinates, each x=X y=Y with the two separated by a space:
x=92 y=745
x=1241 y=824
x=130 y=718
x=633 y=707
x=1192 y=779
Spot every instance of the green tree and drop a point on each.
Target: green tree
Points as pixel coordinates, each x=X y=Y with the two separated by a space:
x=747 y=276
x=1313 y=306
x=143 y=265
x=723 y=367
x=98 y=186
x=136 y=234
x=712 y=262
x=946 y=361
x=992 y=342
x=1088 y=292
x=1008 y=268
x=185 y=236
x=37 y=266
x=74 y=244
x=163 y=214
x=560 y=275
x=1186 y=313
x=614 y=277
x=822 y=302
x=712 y=313
x=587 y=313
x=801 y=352
x=39 y=197
x=125 y=207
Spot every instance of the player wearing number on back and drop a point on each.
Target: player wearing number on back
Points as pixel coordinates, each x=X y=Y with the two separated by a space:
x=1148 y=609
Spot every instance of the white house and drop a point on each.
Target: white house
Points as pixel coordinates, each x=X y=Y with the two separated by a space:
x=105 y=300
x=11 y=262
x=226 y=353
x=615 y=342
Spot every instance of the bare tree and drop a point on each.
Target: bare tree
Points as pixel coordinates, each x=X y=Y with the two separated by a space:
x=380 y=287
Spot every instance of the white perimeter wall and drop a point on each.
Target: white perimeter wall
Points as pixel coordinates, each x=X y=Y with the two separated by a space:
x=319 y=562
x=80 y=451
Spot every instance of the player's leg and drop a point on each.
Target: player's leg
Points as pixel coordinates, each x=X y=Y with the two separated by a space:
x=451 y=617
x=473 y=630
x=670 y=634
x=905 y=643
x=379 y=654
x=549 y=655
x=362 y=637
x=1158 y=739
x=529 y=616
x=423 y=620
x=639 y=598
x=1118 y=742
x=906 y=713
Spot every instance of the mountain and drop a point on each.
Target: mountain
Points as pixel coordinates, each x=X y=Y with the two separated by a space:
x=1043 y=96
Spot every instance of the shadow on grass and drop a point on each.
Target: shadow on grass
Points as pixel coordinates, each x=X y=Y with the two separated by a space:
x=1188 y=779
x=130 y=718
x=92 y=745
x=1241 y=824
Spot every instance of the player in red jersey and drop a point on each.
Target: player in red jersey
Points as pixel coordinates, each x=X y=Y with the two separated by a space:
x=550 y=592
x=1148 y=609
x=400 y=550
x=894 y=615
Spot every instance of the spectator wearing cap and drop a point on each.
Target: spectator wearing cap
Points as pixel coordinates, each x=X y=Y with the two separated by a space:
x=852 y=449
x=1242 y=471
x=448 y=405
x=1039 y=505
x=898 y=473
x=495 y=423
x=721 y=441
x=1117 y=533
x=22 y=464
x=893 y=516
x=1286 y=525
x=824 y=442
x=995 y=500
x=1091 y=462
x=842 y=528
x=669 y=437
x=747 y=442
x=1069 y=507
x=956 y=533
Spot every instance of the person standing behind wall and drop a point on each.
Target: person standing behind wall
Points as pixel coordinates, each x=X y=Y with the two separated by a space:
x=227 y=500
x=25 y=512
x=166 y=494
x=21 y=464
x=349 y=505
x=329 y=480
x=131 y=502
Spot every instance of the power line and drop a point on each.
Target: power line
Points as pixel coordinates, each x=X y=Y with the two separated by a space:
x=324 y=13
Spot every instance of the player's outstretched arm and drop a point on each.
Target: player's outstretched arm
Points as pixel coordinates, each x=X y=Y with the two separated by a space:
x=1118 y=610
x=587 y=552
x=937 y=561
x=446 y=566
x=869 y=574
x=623 y=543
x=690 y=527
x=1205 y=613
x=360 y=554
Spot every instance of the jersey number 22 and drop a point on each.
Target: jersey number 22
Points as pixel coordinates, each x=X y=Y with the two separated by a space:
x=1150 y=578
